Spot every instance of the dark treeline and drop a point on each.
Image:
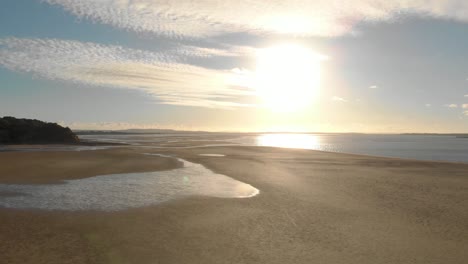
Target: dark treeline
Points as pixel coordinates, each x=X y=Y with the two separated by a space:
x=31 y=131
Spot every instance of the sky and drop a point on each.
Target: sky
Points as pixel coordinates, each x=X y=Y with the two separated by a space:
x=372 y=66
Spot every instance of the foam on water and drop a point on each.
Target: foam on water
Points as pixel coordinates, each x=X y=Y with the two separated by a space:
x=212 y=155
x=122 y=191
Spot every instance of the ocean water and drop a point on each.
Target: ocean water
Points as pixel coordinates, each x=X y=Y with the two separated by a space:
x=420 y=147
x=122 y=191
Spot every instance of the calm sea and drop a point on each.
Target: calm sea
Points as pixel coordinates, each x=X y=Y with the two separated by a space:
x=421 y=147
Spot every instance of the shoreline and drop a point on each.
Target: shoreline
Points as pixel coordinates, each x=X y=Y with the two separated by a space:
x=105 y=145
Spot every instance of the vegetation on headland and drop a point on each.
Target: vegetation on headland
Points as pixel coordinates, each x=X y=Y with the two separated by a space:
x=31 y=131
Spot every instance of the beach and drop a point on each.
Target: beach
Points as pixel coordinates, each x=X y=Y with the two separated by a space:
x=55 y=166
x=313 y=207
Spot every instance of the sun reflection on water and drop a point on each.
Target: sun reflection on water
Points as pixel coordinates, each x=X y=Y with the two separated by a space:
x=301 y=141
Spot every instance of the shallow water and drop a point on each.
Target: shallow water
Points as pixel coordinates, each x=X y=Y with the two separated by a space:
x=122 y=191
x=420 y=147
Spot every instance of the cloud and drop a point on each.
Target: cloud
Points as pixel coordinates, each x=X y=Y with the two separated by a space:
x=466 y=95
x=338 y=99
x=465 y=106
x=373 y=87
x=465 y=112
x=200 y=18
x=451 y=105
x=428 y=105
x=158 y=73
x=202 y=52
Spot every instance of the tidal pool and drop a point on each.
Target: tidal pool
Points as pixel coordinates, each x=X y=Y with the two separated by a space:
x=122 y=191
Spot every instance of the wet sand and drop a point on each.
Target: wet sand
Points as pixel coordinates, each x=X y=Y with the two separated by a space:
x=314 y=207
x=53 y=167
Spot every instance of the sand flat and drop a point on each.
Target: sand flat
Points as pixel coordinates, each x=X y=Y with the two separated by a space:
x=52 y=167
x=314 y=207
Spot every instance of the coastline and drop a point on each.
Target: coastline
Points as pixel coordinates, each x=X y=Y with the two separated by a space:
x=313 y=207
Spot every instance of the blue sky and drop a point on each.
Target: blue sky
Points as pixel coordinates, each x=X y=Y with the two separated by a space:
x=391 y=66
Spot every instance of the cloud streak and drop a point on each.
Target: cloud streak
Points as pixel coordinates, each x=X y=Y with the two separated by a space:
x=158 y=73
x=201 y=18
x=339 y=99
x=465 y=109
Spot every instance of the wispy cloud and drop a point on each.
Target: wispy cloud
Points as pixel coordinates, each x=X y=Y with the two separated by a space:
x=158 y=73
x=373 y=87
x=226 y=51
x=428 y=105
x=200 y=18
x=451 y=105
x=338 y=99
x=465 y=106
x=466 y=95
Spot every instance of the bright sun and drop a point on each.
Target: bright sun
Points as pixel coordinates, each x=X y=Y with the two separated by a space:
x=287 y=77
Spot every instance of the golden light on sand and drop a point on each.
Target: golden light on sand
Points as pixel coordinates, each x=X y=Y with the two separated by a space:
x=287 y=77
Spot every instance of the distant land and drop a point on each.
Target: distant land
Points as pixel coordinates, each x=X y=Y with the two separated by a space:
x=458 y=135
x=124 y=132
x=166 y=131
x=134 y=131
x=31 y=131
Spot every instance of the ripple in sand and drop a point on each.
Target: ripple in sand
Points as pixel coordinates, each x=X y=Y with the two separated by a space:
x=121 y=191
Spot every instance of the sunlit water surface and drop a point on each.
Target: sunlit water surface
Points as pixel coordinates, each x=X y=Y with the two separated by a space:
x=122 y=191
x=420 y=147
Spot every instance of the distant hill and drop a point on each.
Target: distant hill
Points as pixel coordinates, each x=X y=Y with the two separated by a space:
x=124 y=132
x=31 y=131
x=133 y=132
x=458 y=135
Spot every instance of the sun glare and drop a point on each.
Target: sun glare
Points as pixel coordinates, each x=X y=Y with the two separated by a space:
x=287 y=77
x=304 y=141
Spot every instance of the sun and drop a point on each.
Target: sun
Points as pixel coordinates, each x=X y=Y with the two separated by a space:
x=287 y=77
